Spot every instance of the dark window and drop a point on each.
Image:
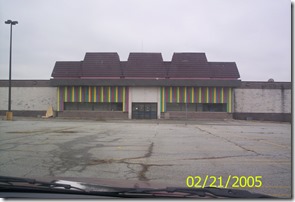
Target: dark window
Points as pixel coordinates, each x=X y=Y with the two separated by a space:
x=101 y=106
x=116 y=106
x=219 y=107
x=86 y=106
x=71 y=106
x=93 y=106
x=200 y=107
x=181 y=107
x=173 y=107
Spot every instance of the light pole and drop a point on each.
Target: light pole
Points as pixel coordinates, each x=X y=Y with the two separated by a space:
x=9 y=114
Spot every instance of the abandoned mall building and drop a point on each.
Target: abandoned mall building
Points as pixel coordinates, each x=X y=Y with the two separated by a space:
x=101 y=86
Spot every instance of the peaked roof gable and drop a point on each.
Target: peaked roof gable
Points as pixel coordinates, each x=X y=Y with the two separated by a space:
x=189 y=65
x=146 y=65
x=101 y=65
x=67 y=69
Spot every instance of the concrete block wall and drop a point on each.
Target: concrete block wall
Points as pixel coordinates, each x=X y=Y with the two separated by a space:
x=31 y=99
x=263 y=100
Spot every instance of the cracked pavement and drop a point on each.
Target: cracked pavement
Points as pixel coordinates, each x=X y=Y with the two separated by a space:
x=149 y=151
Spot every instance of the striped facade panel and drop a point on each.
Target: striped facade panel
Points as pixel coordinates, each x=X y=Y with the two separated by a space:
x=196 y=95
x=92 y=94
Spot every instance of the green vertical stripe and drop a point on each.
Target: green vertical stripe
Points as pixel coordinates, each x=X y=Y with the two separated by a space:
x=184 y=94
x=118 y=94
x=229 y=100
x=164 y=99
x=214 y=95
x=124 y=101
x=200 y=94
x=58 y=99
x=161 y=99
x=101 y=94
x=170 y=95
x=177 y=94
x=65 y=94
x=87 y=94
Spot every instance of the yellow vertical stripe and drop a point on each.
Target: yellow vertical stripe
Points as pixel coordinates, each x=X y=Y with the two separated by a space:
x=207 y=95
x=185 y=94
x=80 y=94
x=101 y=94
x=116 y=98
x=89 y=93
x=214 y=97
x=94 y=92
x=109 y=94
x=229 y=100
x=222 y=95
x=58 y=99
x=192 y=95
x=124 y=102
x=73 y=94
x=177 y=94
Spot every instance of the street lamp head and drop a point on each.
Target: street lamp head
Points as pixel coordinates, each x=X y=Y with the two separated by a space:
x=8 y=22
x=11 y=22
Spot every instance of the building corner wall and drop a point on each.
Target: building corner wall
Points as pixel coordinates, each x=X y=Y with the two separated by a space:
x=28 y=101
x=264 y=101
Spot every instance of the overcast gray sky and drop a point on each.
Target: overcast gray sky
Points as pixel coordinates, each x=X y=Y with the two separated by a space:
x=256 y=34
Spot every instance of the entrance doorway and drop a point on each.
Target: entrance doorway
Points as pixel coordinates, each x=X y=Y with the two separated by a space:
x=144 y=110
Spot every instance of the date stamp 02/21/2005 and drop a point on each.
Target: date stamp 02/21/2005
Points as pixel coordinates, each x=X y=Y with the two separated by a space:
x=221 y=182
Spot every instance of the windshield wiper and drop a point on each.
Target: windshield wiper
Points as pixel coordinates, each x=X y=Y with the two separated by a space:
x=23 y=182
x=26 y=184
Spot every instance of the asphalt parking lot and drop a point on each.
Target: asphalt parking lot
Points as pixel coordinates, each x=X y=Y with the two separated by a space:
x=151 y=151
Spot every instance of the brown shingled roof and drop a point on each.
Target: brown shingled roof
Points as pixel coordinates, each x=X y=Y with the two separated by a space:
x=224 y=70
x=189 y=65
x=144 y=65
x=101 y=65
x=67 y=69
